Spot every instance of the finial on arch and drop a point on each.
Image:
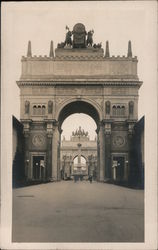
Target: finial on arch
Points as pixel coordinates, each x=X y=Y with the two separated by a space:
x=129 y=53
x=29 y=52
x=51 y=54
x=107 y=52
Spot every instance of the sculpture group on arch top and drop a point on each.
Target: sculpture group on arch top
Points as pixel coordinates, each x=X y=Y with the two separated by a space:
x=79 y=38
x=80 y=132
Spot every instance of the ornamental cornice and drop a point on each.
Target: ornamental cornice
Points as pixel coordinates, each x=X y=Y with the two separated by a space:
x=78 y=81
x=84 y=57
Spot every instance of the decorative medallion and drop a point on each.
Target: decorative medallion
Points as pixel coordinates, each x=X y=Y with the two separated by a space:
x=38 y=140
x=119 y=141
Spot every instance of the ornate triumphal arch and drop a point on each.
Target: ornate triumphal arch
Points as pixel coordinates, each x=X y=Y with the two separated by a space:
x=79 y=147
x=78 y=78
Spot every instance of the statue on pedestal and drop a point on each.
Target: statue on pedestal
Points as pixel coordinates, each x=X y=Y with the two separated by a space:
x=50 y=107
x=107 y=107
x=90 y=38
x=27 y=107
x=68 y=40
x=131 y=107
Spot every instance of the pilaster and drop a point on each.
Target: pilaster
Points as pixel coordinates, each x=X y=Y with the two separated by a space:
x=26 y=131
x=131 y=155
x=55 y=151
x=101 y=153
x=107 y=137
x=49 y=149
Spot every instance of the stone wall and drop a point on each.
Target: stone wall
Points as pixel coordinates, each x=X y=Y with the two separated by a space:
x=47 y=69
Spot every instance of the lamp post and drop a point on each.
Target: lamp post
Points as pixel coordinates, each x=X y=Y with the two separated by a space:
x=126 y=170
x=64 y=157
x=27 y=169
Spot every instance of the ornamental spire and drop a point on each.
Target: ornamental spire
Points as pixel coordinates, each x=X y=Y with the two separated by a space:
x=29 y=53
x=51 y=54
x=129 y=54
x=107 y=53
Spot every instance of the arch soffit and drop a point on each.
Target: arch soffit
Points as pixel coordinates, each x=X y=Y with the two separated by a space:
x=90 y=101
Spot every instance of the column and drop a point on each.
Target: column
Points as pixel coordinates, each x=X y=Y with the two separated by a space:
x=49 y=123
x=107 y=156
x=101 y=153
x=79 y=153
x=49 y=157
x=98 y=157
x=107 y=131
x=55 y=148
x=131 y=154
x=58 y=157
x=26 y=131
x=28 y=170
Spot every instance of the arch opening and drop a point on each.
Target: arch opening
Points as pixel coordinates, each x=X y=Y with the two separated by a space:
x=78 y=144
x=78 y=107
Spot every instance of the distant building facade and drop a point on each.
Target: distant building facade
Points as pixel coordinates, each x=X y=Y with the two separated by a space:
x=79 y=78
x=78 y=156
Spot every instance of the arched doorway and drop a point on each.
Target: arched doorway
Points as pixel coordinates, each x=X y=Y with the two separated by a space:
x=79 y=167
x=65 y=111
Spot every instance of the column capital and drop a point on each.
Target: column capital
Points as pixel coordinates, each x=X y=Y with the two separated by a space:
x=131 y=124
x=26 y=120
x=52 y=121
x=26 y=125
x=51 y=125
x=106 y=123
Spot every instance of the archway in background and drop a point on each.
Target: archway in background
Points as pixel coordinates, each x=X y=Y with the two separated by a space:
x=73 y=108
x=80 y=167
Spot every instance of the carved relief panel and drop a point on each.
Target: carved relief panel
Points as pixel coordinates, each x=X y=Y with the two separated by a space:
x=119 y=141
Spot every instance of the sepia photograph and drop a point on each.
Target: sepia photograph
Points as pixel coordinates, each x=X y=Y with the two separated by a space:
x=79 y=125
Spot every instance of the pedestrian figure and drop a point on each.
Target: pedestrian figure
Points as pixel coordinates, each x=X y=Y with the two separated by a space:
x=75 y=178
x=90 y=178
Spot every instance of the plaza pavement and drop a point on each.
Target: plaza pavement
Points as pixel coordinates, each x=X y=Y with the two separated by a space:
x=78 y=212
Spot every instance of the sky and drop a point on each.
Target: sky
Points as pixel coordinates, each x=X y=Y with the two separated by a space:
x=115 y=21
